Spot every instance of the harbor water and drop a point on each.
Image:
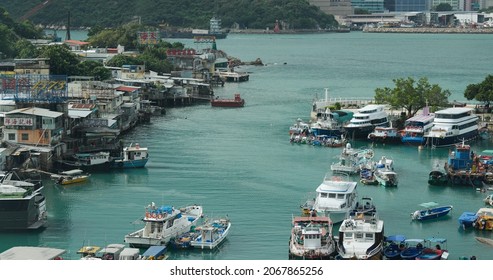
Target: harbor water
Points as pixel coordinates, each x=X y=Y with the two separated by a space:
x=239 y=161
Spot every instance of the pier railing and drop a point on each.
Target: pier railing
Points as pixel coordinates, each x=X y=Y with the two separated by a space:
x=345 y=102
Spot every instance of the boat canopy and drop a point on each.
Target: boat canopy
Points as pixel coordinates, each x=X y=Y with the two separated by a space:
x=396 y=238
x=154 y=251
x=31 y=253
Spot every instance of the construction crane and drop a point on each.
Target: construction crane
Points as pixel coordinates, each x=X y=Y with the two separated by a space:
x=35 y=10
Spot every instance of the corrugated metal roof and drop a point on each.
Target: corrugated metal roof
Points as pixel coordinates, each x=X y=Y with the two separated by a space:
x=78 y=114
x=36 y=111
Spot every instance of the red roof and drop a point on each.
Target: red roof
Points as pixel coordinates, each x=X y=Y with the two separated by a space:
x=127 y=88
x=76 y=42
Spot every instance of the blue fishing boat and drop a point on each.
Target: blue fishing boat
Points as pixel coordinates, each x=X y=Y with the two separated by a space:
x=132 y=157
x=394 y=245
x=467 y=219
x=432 y=211
x=413 y=248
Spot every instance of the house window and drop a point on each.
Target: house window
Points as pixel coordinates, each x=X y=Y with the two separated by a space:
x=11 y=136
x=25 y=137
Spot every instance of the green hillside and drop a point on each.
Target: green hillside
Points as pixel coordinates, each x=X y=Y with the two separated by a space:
x=253 y=14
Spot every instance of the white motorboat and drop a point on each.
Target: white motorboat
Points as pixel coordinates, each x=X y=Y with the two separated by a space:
x=361 y=237
x=335 y=198
x=311 y=238
x=163 y=223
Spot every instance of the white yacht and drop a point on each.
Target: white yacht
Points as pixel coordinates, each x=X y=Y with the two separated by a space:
x=163 y=223
x=365 y=120
x=335 y=198
x=416 y=127
x=452 y=126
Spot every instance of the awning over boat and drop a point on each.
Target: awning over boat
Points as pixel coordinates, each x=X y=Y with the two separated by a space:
x=31 y=253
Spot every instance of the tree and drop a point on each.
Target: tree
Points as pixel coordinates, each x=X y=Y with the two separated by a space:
x=25 y=49
x=482 y=91
x=95 y=69
x=443 y=7
x=412 y=97
x=62 y=60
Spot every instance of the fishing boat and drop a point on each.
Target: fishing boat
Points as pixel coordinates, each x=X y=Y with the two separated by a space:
x=367 y=175
x=211 y=234
x=351 y=160
x=99 y=161
x=156 y=252
x=412 y=249
x=437 y=178
x=393 y=246
x=132 y=157
x=237 y=101
x=484 y=220
x=435 y=248
x=385 y=134
x=163 y=223
x=464 y=168
x=386 y=177
x=467 y=219
x=89 y=252
x=70 y=177
x=130 y=254
x=335 y=198
x=431 y=211
x=311 y=238
x=299 y=127
x=361 y=237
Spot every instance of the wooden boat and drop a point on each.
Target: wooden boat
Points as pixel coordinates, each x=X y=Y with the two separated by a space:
x=211 y=234
x=393 y=246
x=311 y=239
x=236 y=102
x=384 y=134
x=432 y=211
x=71 y=177
x=484 y=240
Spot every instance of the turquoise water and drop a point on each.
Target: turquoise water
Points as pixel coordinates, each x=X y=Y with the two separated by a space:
x=239 y=161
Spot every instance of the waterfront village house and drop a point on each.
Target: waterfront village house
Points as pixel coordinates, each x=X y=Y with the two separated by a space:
x=35 y=129
x=76 y=45
x=38 y=66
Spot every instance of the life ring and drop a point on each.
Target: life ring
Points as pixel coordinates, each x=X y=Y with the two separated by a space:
x=154 y=215
x=148 y=215
x=385 y=135
x=159 y=216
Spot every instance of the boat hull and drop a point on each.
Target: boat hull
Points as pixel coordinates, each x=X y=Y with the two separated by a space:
x=138 y=163
x=452 y=140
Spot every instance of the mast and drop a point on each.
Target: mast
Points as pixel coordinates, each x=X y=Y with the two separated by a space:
x=67 y=37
